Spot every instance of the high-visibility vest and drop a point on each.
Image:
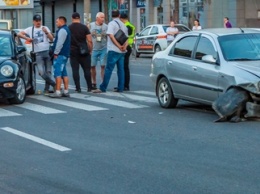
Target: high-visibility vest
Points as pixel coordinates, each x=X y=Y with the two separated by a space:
x=132 y=35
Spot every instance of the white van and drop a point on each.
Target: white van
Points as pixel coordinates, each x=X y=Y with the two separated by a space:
x=6 y=24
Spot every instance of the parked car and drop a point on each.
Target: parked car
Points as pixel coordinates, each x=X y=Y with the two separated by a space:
x=153 y=38
x=199 y=66
x=17 y=73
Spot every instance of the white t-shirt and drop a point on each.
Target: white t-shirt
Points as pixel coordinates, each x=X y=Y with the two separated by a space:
x=41 y=41
x=170 y=29
x=196 y=28
x=113 y=27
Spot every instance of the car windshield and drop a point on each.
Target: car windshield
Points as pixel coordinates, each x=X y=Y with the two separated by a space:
x=240 y=47
x=5 y=45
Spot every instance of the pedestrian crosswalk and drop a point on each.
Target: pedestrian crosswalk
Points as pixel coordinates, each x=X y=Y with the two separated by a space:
x=80 y=101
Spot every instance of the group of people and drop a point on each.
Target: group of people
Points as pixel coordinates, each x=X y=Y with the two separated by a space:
x=172 y=31
x=103 y=48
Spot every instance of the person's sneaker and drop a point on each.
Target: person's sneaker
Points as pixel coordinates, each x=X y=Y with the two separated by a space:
x=126 y=89
x=65 y=94
x=78 y=90
x=97 y=91
x=46 y=93
x=116 y=90
x=94 y=86
x=55 y=95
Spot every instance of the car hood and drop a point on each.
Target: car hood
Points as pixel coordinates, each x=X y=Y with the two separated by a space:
x=252 y=67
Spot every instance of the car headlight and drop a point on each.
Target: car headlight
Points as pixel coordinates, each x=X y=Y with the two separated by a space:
x=7 y=70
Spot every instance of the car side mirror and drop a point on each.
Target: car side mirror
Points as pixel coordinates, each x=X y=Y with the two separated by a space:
x=209 y=59
x=137 y=34
x=21 y=49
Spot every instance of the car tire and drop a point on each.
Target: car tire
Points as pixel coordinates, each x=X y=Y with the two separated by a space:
x=157 y=48
x=20 y=92
x=136 y=54
x=165 y=94
x=32 y=81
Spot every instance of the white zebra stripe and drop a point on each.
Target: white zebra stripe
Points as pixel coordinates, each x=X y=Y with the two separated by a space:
x=106 y=101
x=39 y=108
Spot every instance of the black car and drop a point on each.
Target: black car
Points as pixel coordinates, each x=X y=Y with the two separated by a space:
x=17 y=72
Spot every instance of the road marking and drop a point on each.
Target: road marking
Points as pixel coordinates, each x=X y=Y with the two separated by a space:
x=39 y=108
x=68 y=103
x=130 y=96
x=107 y=101
x=145 y=93
x=7 y=113
x=36 y=139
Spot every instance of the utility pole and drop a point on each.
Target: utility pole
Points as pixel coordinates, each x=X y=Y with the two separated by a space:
x=87 y=14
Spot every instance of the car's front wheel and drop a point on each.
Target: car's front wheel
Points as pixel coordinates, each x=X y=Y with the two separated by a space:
x=20 y=92
x=165 y=94
x=136 y=54
x=157 y=48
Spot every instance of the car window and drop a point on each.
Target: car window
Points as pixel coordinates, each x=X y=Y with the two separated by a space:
x=165 y=28
x=240 y=46
x=5 y=45
x=145 y=31
x=184 y=47
x=205 y=47
x=154 y=30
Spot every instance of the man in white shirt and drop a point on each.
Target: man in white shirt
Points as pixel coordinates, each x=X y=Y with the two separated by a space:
x=40 y=36
x=171 y=32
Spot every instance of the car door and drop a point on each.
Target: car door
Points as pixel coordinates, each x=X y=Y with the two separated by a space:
x=22 y=59
x=142 y=44
x=205 y=75
x=179 y=66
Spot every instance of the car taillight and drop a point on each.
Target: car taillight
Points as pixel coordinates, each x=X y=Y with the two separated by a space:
x=161 y=36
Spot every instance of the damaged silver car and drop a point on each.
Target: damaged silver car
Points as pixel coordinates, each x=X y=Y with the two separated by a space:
x=219 y=67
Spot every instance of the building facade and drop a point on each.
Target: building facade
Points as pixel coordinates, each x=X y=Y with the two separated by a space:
x=242 y=13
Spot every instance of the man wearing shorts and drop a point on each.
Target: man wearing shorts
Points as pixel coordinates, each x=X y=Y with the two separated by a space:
x=61 y=47
x=99 y=54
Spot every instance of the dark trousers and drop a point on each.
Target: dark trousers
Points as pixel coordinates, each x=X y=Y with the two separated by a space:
x=85 y=63
x=126 y=66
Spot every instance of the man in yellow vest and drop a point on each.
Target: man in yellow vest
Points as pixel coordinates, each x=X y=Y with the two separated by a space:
x=131 y=35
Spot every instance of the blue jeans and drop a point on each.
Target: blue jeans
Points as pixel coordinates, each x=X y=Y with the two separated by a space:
x=59 y=66
x=114 y=58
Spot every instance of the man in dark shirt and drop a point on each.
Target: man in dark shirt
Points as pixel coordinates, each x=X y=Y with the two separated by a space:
x=79 y=34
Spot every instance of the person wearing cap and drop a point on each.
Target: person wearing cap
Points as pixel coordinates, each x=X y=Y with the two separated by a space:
x=61 y=49
x=98 y=31
x=79 y=34
x=40 y=36
x=115 y=55
x=131 y=35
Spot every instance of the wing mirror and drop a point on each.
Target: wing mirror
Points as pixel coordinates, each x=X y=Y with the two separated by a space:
x=209 y=59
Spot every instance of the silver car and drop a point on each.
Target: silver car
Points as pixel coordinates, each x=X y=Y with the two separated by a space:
x=199 y=66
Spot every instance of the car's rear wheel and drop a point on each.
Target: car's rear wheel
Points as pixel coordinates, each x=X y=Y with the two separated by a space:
x=165 y=94
x=157 y=48
x=20 y=93
x=32 y=81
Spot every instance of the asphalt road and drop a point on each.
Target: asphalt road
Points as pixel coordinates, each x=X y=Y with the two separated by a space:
x=124 y=143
